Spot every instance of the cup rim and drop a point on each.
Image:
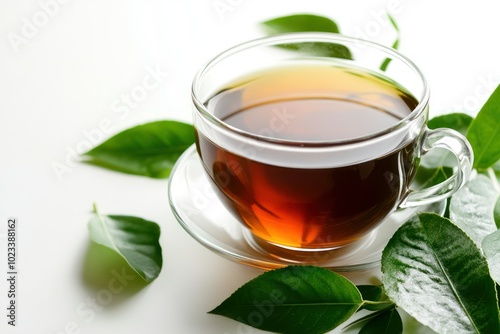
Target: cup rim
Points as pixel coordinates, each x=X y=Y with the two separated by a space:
x=298 y=37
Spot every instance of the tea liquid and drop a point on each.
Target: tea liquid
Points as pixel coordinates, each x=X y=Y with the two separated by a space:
x=306 y=105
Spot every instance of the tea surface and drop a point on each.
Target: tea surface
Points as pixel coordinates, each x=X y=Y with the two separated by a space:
x=312 y=103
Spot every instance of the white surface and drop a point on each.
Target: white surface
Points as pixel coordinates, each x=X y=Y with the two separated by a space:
x=68 y=78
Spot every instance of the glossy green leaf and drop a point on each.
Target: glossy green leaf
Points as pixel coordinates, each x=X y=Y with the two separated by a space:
x=387 y=322
x=491 y=248
x=150 y=149
x=308 y=23
x=296 y=299
x=457 y=121
x=436 y=273
x=371 y=292
x=471 y=208
x=133 y=238
x=300 y=23
x=360 y=322
x=484 y=133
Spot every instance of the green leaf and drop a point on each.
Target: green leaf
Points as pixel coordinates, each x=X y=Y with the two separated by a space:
x=133 y=238
x=498 y=293
x=372 y=292
x=484 y=133
x=296 y=299
x=395 y=45
x=496 y=213
x=387 y=322
x=387 y=61
x=308 y=23
x=319 y=49
x=393 y=22
x=150 y=149
x=491 y=248
x=471 y=208
x=427 y=177
x=457 y=121
x=435 y=272
x=300 y=23
x=360 y=322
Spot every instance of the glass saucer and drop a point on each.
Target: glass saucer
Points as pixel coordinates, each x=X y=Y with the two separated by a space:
x=202 y=215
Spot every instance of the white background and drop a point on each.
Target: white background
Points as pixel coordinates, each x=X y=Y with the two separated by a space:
x=61 y=79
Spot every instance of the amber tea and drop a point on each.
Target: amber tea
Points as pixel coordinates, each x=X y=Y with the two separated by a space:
x=303 y=207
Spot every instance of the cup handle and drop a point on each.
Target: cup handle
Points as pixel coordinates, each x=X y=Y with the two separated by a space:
x=454 y=142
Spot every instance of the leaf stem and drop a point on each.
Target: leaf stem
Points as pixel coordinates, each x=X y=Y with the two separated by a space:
x=382 y=302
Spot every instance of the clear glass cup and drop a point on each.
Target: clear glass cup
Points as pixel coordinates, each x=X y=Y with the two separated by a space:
x=226 y=151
